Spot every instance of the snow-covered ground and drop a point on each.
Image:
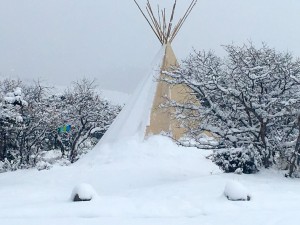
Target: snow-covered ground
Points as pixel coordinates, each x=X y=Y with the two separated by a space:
x=154 y=182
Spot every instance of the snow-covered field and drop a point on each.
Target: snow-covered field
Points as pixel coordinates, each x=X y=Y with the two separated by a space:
x=154 y=182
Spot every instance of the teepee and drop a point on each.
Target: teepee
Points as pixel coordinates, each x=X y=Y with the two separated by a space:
x=161 y=118
x=144 y=115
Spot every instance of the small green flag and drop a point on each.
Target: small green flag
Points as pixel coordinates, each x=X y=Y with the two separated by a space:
x=64 y=129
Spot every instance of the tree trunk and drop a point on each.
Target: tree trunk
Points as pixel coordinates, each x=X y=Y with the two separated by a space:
x=295 y=155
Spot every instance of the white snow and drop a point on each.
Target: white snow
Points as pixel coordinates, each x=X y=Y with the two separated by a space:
x=18 y=91
x=145 y=183
x=19 y=119
x=9 y=99
x=84 y=192
x=42 y=165
x=235 y=191
x=96 y=129
x=10 y=95
x=16 y=96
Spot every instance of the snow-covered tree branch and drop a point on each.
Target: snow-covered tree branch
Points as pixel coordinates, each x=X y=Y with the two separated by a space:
x=30 y=116
x=248 y=100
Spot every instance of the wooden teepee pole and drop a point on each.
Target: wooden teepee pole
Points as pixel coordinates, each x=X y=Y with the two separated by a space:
x=182 y=21
x=171 y=20
x=162 y=28
x=153 y=29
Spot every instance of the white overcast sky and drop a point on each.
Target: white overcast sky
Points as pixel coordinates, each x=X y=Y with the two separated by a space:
x=60 y=41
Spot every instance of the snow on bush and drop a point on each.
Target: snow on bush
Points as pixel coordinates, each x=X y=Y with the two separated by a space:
x=51 y=156
x=43 y=165
x=47 y=159
x=19 y=119
x=83 y=192
x=7 y=165
x=18 y=91
x=15 y=97
x=238 y=171
x=236 y=160
x=235 y=191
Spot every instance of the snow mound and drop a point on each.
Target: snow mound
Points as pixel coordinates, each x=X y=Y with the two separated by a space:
x=157 y=154
x=83 y=192
x=235 y=191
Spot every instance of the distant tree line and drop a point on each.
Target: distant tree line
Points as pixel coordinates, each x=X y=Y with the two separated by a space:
x=33 y=121
x=248 y=106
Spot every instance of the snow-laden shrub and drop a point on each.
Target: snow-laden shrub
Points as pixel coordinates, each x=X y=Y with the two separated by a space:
x=9 y=165
x=47 y=159
x=235 y=191
x=235 y=160
x=83 y=192
x=43 y=165
x=51 y=156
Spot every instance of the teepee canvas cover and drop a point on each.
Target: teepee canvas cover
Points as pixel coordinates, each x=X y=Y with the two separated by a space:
x=161 y=119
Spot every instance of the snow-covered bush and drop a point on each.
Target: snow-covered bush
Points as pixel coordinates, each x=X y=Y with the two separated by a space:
x=41 y=165
x=249 y=99
x=46 y=159
x=83 y=192
x=237 y=160
x=7 y=165
x=235 y=191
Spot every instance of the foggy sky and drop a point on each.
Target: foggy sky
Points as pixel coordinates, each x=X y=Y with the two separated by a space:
x=60 y=41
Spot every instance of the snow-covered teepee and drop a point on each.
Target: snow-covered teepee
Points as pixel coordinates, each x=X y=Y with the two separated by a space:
x=143 y=116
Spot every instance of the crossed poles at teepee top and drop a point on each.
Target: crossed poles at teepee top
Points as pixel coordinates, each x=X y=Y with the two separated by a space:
x=164 y=31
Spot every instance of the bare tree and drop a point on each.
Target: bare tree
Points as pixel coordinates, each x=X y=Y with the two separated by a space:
x=84 y=110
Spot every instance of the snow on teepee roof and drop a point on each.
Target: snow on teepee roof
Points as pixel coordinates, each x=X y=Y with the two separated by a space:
x=143 y=115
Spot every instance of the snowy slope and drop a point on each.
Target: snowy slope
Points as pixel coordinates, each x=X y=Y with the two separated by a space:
x=154 y=182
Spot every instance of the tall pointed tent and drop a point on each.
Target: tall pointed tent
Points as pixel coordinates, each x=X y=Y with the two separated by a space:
x=143 y=115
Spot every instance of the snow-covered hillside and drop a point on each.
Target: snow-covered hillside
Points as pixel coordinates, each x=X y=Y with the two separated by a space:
x=154 y=182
